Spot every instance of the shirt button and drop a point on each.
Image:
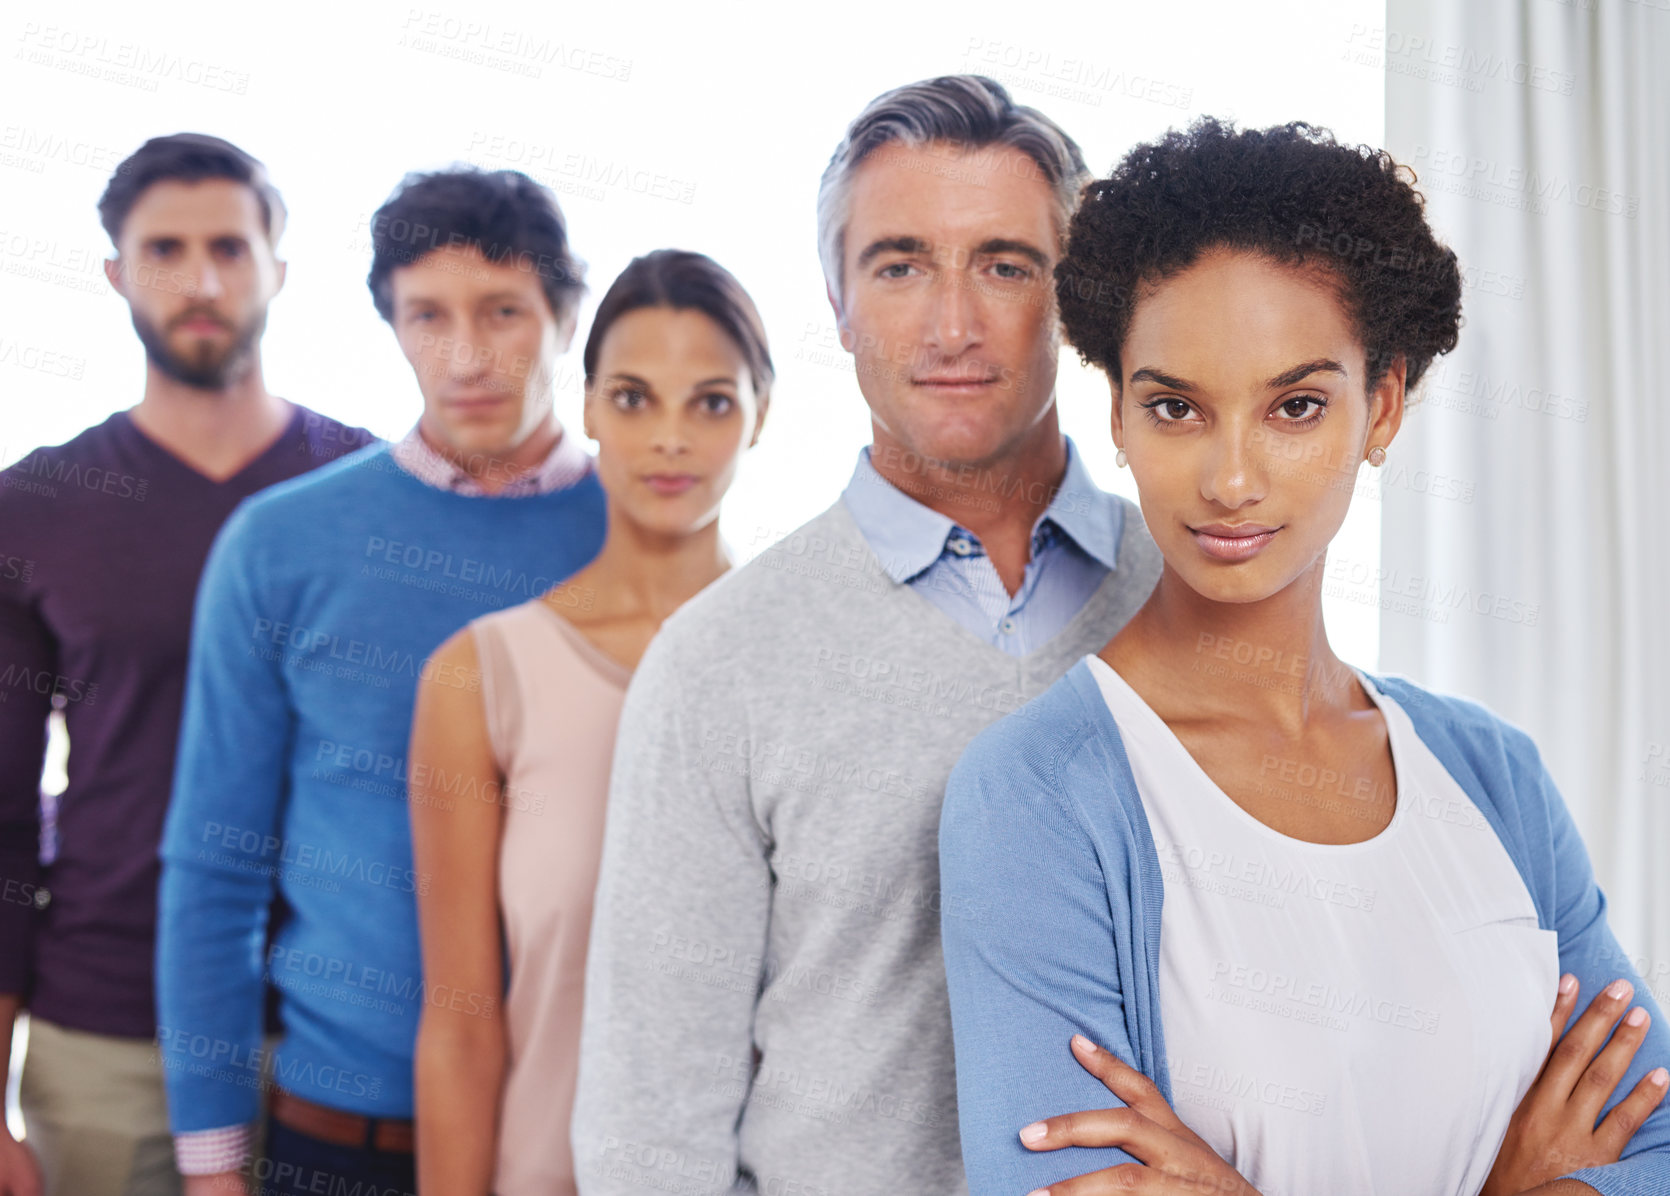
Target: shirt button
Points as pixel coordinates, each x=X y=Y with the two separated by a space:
x=43 y=897
x=960 y=546
x=1007 y=626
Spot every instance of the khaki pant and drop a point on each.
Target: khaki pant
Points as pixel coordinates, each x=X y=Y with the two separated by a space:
x=95 y=1114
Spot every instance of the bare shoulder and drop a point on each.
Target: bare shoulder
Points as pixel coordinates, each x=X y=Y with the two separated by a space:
x=458 y=650
x=454 y=667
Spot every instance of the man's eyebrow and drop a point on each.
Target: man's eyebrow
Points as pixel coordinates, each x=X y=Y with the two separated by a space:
x=891 y=245
x=1300 y=372
x=1169 y=381
x=999 y=245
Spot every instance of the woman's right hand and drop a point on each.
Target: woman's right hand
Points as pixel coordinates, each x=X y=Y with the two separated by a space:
x=20 y=1174
x=1553 y=1131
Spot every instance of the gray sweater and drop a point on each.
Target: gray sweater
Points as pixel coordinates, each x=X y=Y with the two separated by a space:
x=765 y=1003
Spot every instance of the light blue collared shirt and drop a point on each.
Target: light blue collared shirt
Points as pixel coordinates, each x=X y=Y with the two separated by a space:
x=1075 y=544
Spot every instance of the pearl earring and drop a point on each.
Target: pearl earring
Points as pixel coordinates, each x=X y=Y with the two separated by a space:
x=1120 y=459
x=1377 y=456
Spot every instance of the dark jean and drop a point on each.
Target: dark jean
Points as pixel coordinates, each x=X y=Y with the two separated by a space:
x=296 y=1164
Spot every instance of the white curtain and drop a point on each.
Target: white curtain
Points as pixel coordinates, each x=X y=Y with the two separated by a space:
x=1526 y=540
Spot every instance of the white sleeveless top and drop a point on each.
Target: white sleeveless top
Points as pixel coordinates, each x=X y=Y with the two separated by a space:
x=1360 y=1017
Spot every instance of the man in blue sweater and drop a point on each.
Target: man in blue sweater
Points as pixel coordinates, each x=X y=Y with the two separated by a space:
x=320 y=603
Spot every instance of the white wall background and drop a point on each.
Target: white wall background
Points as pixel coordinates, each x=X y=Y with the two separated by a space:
x=1541 y=133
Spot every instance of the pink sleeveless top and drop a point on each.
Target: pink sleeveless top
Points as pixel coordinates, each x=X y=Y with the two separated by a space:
x=552 y=702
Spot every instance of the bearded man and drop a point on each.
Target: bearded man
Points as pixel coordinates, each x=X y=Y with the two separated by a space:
x=102 y=542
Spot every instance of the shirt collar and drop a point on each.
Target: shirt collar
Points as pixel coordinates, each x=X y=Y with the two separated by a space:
x=566 y=464
x=1092 y=518
x=907 y=536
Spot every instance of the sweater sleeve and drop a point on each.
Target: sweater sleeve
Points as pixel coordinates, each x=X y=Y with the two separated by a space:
x=1030 y=958
x=1589 y=951
x=675 y=963
x=220 y=842
x=28 y=669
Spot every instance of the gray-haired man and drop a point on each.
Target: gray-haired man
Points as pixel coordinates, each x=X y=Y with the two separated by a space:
x=765 y=997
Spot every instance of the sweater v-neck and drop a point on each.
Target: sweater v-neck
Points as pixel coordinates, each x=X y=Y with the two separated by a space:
x=1102 y=599
x=136 y=436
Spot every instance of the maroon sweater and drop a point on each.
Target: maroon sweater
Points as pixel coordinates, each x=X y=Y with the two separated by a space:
x=102 y=541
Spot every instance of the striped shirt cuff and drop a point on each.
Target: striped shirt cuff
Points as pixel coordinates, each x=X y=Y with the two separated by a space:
x=210 y=1152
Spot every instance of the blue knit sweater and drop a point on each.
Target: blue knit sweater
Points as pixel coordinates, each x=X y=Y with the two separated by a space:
x=320 y=604
x=1043 y=832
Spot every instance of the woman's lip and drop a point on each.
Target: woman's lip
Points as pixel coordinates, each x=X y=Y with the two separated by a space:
x=1231 y=531
x=1238 y=547
x=670 y=483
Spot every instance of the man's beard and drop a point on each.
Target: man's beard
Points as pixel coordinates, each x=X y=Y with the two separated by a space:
x=206 y=367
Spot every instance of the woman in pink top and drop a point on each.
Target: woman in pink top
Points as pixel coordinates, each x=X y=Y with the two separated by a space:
x=509 y=779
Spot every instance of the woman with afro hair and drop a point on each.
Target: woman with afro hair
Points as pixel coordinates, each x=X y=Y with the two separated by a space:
x=1220 y=912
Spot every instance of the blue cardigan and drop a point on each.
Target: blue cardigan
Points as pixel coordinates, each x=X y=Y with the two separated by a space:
x=1051 y=895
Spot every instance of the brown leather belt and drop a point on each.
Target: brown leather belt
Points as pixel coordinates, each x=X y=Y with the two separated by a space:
x=339 y=1128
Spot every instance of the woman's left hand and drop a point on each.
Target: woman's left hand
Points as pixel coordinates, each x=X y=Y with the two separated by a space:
x=1174 y=1160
